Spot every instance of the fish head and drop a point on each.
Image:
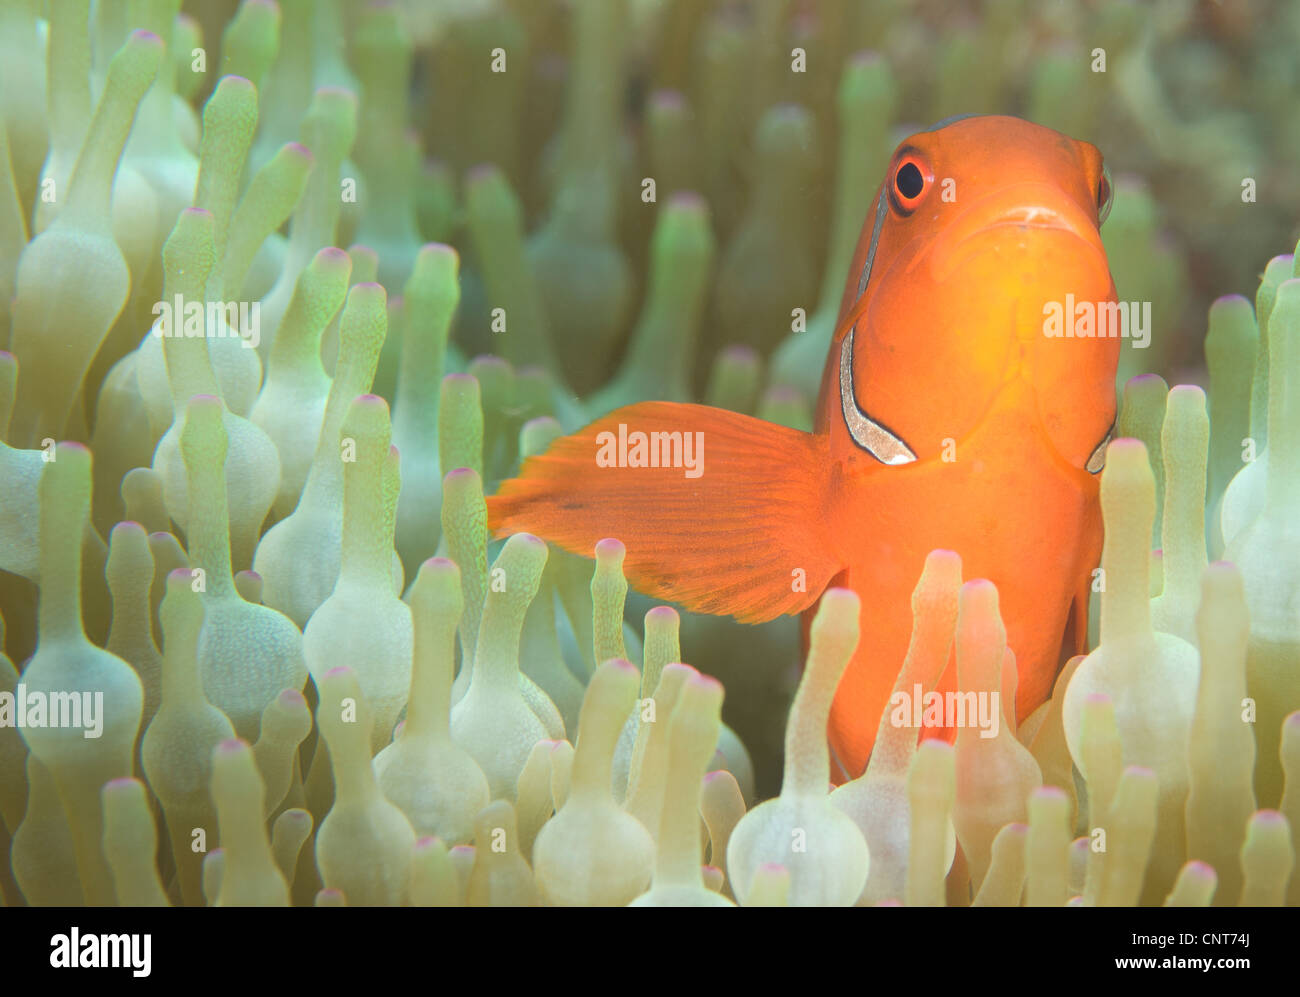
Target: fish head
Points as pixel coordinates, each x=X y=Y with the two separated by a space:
x=983 y=229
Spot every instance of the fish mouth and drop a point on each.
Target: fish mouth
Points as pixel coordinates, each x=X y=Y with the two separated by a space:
x=1028 y=208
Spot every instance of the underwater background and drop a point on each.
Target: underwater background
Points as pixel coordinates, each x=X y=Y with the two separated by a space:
x=471 y=226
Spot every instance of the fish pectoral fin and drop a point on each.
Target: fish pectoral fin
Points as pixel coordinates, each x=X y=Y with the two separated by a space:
x=733 y=525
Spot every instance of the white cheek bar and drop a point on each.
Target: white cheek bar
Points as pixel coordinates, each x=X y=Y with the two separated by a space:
x=1098 y=459
x=870 y=435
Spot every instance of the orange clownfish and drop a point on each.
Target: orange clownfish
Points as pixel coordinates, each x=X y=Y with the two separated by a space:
x=953 y=414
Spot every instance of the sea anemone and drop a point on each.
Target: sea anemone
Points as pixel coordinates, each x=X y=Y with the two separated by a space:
x=276 y=317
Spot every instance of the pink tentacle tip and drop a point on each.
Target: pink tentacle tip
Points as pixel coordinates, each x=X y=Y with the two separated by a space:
x=235 y=80
x=541 y=421
x=1271 y=818
x=292 y=698
x=688 y=200
x=707 y=682
x=331 y=90
x=783 y=393
x=231 y=746
x=717 y=775
x=846 y=596
x=434 y=250
x=340 y=671
x=490 y=361
x=668 y=99
x=1126 y=444
x=480 y=173
x=1145 y=379
x=117 y=785
x=610 y=548
x=623 y=665
x=1223 y=299
x=459 y=474
x=789 y=109
x=739 y=353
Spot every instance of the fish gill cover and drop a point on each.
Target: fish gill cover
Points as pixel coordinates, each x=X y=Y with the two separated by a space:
x=341 y=336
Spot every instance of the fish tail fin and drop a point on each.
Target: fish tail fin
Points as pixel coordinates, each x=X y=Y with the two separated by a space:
x=731 y=522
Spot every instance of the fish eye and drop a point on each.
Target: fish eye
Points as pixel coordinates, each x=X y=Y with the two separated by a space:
x=1105 y=195
x=911 y=179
